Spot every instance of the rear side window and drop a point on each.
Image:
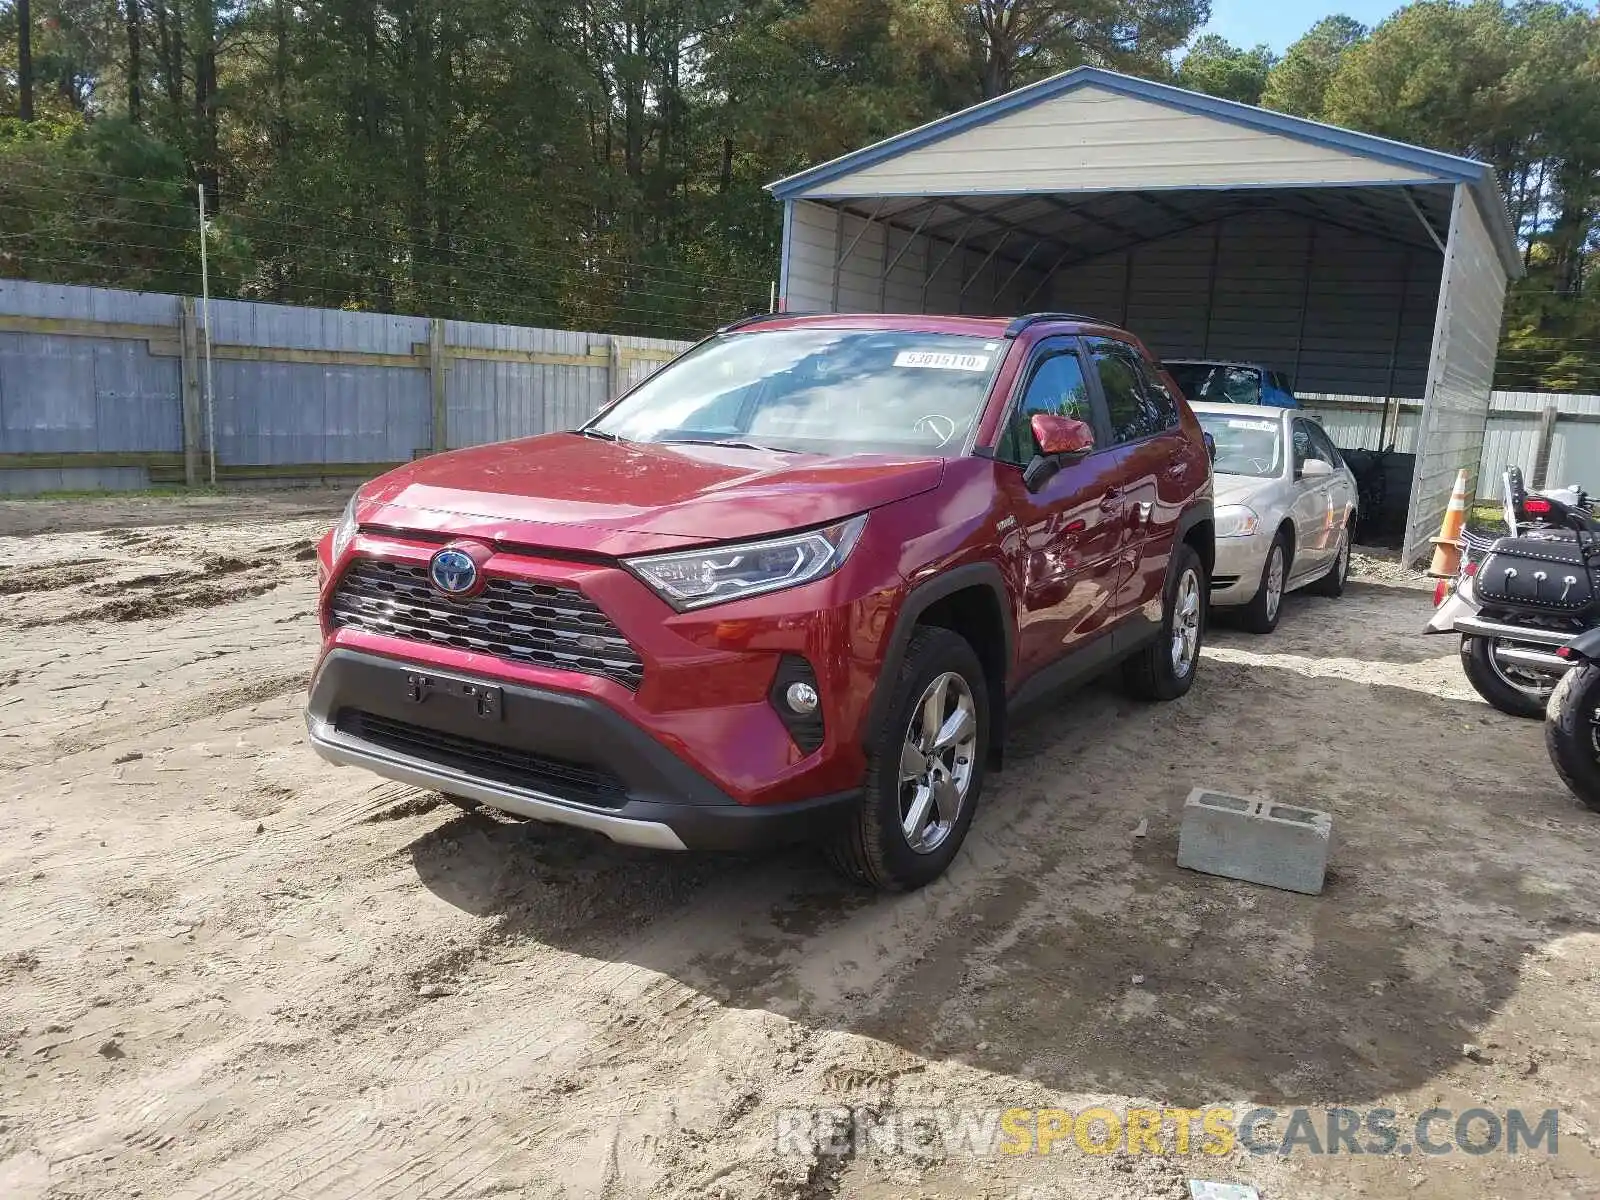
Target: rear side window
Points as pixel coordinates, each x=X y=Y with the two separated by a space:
x=1139 y=407
x=1057 y=386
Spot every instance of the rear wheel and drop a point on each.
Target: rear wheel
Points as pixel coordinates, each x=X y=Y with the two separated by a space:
x=1164 y=670
x=1261 y=614
x=1332 y=584
x=1572 y=732
x=924 y=769
x=1515 y=690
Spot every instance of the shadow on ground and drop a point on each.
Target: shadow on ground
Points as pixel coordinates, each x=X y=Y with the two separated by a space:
x=1023 y=959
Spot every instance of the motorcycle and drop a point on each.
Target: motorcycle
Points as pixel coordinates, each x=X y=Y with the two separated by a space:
x=1519 y=600
x=1572 y=721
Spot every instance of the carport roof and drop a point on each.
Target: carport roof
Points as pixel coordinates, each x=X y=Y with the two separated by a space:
x=1407 y=188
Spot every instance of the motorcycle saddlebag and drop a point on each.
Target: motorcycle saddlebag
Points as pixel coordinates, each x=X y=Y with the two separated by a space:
x=1543 y=573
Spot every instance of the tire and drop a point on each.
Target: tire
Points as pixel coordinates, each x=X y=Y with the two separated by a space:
x=1487 y=679
x=1262 y=613
x=1154 y=673
x=874 y=847
x=1332 y=583
x=1572 y=735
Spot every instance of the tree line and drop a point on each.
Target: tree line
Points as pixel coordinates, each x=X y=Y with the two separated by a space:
x=600 y=163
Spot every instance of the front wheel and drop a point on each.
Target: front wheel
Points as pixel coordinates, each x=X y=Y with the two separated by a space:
x=1261 y=615
x=1164 y=670
x=1572 y=733
x=924 y=769
x=1515 y=690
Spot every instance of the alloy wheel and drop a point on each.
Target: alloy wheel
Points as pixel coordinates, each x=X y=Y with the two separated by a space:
x=1274 y=581
x=937 y=762
x=1186 y=624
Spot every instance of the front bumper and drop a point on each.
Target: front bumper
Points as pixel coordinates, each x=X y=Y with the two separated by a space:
x=1237 y=575
x=543 y=754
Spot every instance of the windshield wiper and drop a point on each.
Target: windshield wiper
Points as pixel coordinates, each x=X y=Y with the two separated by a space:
x=732 y=444
x=601 y=434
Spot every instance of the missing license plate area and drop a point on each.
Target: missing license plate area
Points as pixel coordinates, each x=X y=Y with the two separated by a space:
x=482 y=699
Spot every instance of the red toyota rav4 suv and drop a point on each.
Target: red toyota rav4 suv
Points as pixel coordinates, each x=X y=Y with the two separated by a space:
x=791 y=586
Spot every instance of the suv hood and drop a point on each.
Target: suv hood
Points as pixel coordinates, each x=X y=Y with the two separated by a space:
x=565 y=491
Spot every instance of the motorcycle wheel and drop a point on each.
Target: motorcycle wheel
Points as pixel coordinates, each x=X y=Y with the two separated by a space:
x=1572 y=733
x=1516 y=692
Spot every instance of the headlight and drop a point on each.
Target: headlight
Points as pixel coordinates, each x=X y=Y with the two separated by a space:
x=696 y=578
x=345 y=531
x=1235 y=520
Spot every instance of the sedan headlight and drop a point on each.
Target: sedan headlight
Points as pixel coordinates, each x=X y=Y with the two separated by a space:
x=1236 y=520
x=345 y=531
x=696 y=578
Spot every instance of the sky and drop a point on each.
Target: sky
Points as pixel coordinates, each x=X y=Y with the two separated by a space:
x=1279 y=22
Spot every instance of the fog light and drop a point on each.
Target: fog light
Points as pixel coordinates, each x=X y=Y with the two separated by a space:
x=802 y=697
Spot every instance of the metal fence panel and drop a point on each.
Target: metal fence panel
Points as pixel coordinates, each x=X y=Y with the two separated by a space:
x=1466 y=338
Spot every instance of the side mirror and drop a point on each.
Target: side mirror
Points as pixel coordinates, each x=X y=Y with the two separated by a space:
x=1211 y=446
x=1061 y=440
x=1315 y=468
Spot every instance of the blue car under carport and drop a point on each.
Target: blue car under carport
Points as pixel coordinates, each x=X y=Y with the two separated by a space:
x=1212 y=381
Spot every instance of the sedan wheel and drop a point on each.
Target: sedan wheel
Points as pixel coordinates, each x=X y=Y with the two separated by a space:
x=1274 y=582
x=1261 y=616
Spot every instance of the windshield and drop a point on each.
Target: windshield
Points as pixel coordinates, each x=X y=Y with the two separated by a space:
x=1216 y=383
x=1250 y=446
x=824 y=391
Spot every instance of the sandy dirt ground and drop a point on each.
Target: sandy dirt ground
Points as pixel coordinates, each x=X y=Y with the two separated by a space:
x=228 y=970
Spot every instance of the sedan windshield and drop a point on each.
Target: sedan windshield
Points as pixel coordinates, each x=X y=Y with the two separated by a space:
x=1250 y=446
x=1216 y=383
x=824 y=391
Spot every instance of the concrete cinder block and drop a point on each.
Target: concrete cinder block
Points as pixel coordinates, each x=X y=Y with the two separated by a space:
x=1258 y=841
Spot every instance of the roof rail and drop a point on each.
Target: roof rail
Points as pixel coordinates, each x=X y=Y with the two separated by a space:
x=1027 y=319
x=757 y=318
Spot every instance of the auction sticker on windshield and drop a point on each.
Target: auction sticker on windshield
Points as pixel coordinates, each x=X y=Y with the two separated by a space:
x=941 y=361
x=1262 y=426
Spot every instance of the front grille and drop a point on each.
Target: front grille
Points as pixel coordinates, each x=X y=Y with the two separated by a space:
x=512 y=619
x=581 y=783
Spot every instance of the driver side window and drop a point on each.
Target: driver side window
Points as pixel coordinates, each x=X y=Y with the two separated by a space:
x=1308 y=445
x=1057 y=387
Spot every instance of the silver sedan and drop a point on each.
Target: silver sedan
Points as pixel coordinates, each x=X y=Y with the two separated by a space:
x=1286 y=505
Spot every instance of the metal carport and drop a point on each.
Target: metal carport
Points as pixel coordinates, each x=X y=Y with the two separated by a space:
x=1358 y=265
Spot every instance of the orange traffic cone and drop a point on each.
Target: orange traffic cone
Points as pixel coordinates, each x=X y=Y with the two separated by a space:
x=1447 y=546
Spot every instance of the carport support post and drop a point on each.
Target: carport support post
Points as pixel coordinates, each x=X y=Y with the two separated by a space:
x=1547 y=436
x=188 y=344
x=436 y=386
x=1394 y=354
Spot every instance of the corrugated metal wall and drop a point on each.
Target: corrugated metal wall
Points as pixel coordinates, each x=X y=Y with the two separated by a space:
x=926 y=276
x=1461 y=373
x=1510 y=438
x=1335 y=310
x=94 y=371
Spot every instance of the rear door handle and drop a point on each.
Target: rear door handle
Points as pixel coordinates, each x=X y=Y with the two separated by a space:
x=1108 y=501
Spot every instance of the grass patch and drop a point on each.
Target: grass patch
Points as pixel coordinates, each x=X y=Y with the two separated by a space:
x=1488 y=517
